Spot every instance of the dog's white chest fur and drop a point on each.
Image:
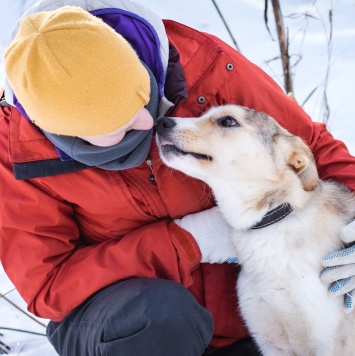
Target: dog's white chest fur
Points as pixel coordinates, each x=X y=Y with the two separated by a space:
x=287 y=308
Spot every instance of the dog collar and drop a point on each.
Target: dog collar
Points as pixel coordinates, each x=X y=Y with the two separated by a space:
x=274 y=215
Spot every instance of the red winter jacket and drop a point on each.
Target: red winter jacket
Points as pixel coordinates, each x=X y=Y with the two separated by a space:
x=63 y=237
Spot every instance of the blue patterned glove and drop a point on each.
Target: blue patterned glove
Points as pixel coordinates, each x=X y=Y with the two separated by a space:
x=340 y=269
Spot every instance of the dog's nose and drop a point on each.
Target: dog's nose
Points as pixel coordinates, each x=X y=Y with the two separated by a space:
x=164 y=124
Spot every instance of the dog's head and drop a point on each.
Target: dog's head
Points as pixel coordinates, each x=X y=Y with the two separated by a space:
x=233 y=143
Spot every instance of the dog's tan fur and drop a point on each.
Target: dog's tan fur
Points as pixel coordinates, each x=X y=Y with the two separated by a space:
x=253 y=165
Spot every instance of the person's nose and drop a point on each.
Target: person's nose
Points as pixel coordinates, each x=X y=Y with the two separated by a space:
x=143 y=121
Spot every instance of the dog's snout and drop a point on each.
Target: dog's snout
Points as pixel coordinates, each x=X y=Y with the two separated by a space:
x=164 y=124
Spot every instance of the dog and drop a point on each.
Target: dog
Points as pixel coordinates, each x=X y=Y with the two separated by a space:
x=284 y=220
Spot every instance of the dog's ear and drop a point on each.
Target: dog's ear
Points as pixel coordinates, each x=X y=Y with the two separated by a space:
x=302 y=162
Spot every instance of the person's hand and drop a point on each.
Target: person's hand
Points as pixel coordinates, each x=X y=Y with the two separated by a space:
x=340 y=269
x=212 y=234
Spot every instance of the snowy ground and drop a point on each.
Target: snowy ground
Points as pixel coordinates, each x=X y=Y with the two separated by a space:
x=245 y=18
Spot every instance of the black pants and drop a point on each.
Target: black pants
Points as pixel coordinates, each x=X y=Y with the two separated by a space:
x=137 y=317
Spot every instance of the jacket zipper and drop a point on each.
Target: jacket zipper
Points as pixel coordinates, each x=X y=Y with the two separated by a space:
x=150 y=165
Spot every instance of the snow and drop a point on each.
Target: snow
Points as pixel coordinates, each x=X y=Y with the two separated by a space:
x=308 y=37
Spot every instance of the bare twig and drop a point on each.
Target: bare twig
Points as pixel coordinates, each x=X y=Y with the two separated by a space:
x=4 y=348
x=284 y=45
x=22 y=331
x=266 y=19
x=226 y=25
x=310 y=95
x=8 y=292
x=295 y=16
x=22 y=311
x=326 y=79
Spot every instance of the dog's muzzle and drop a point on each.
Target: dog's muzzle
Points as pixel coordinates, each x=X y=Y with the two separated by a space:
x=165 y=128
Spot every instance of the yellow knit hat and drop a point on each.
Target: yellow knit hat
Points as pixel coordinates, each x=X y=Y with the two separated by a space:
x=74 y=75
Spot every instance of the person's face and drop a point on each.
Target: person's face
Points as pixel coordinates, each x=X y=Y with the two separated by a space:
x=142 y=121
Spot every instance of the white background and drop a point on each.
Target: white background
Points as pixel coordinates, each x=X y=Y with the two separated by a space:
x=308 y=37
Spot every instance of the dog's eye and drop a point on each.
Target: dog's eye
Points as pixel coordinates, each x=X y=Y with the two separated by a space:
x=227 y=121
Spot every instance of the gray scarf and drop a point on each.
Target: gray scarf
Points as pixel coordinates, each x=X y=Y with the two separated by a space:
x=130 y=152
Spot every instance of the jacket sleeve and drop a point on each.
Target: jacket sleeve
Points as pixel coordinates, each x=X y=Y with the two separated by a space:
x=252 y=87
x=44 y=256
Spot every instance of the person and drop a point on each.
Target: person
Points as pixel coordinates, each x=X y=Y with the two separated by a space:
x=122 y=254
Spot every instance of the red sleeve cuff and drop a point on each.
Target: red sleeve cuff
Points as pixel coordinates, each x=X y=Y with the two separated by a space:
x=188 y=251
